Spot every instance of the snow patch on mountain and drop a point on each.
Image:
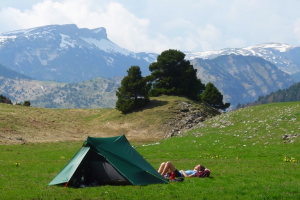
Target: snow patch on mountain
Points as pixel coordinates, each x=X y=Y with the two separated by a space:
x=18 y=32
x=258 y=50
x=3 y=39
x=98 y=30
x=107 y=46
x=66 y=41
x=277 y=46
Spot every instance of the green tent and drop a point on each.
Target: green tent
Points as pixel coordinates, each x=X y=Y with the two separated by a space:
x=109 y=160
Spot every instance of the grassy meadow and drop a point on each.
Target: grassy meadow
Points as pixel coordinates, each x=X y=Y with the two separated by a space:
x=243 y=149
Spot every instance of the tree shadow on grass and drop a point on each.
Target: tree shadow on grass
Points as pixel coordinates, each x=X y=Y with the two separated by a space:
x=152 y=104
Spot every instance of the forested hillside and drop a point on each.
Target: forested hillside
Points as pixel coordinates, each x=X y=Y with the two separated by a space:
x=287 y=95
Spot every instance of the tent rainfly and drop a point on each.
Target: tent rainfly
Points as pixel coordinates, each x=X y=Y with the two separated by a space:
x=109 y=160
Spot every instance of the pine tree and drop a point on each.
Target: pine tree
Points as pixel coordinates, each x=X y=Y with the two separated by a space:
x=173 y=75
x=133 y=92
x=213 y=97
x=4 y=99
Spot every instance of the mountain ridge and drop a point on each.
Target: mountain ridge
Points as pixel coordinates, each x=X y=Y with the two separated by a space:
x=67 y=53
x=284 y=56
x=88 y=53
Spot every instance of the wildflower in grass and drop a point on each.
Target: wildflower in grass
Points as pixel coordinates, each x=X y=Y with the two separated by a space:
x=17 y=164
x=293 y=159
x=290 y=159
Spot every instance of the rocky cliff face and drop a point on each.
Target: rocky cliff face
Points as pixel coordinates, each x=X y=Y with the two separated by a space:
x=241 y=79
x=187 y=115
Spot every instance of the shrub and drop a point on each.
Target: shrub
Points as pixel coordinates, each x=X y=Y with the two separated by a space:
x=4 y=99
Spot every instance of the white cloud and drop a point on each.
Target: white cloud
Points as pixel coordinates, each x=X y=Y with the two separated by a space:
x=123 y=27
x=157 y=25
x=209 y=35
x=44 y=13
x=297 y=30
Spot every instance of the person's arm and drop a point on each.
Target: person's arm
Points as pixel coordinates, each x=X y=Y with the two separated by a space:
x=185 y=175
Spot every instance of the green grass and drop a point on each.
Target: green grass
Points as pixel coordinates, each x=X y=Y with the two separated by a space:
x=243 y=149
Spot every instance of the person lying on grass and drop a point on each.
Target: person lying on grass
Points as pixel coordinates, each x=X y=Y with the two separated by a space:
x=168 y=167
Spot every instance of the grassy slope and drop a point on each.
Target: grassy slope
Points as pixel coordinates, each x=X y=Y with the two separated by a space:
x=47 y=125
x=244 y=150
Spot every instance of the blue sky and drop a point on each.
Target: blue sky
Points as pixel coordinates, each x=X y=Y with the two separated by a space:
x=157 y=25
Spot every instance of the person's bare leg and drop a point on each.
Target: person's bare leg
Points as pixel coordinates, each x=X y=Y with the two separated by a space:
x=168 y=167
x=161 y=167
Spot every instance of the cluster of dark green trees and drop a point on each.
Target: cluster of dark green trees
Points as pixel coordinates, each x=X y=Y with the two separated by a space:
x=4 y=99
x=171 y=74
x=25 y=103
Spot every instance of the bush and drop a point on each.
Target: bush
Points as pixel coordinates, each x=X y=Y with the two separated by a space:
x=27 y=103
x=4 y=99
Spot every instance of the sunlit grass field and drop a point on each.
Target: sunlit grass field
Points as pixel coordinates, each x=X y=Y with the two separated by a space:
x=243 y=149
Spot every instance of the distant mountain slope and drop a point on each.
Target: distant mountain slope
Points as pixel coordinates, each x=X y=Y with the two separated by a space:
x=296 y=76
x=20 y=90
x=66 y=53
x=96 y=93
x=241 y=79
x=5 y=72
x=284 y=56
x=7 y=77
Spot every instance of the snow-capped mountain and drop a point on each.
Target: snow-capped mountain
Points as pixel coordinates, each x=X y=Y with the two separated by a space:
x=284 y=56
x=67 y=53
